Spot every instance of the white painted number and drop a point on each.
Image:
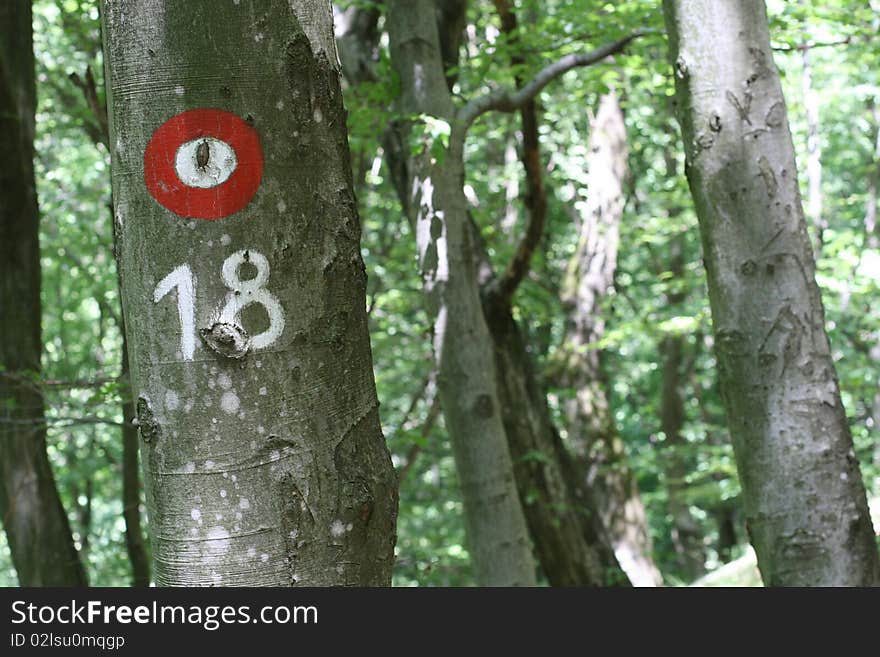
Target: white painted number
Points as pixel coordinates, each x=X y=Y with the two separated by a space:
x=242 y=294
x=245 y=293
x=182 y=278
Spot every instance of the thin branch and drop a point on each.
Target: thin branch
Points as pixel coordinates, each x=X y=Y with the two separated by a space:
x=416 y=448
x=504 y=286
x=89 y=89
x=61 y=422
x=37 y=384
x=507 y=100
x=812 y=44
x=427 y=390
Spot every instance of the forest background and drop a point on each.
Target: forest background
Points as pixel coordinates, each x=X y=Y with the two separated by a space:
x=657 y=373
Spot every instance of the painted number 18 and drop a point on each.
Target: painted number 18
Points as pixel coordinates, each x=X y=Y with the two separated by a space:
x=241 y=295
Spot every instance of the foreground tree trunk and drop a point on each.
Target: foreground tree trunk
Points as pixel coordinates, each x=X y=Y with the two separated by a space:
x=244 y=291
x=593 y=435
x=467 y=381
x=804 y=500
x=37 y=528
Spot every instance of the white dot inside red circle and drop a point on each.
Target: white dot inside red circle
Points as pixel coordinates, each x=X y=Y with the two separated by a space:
x=205 y=162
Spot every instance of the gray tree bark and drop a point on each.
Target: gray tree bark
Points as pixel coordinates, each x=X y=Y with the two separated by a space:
x=467 y=379
x=263 y=457
x=804 y=500
x=37 y=527
x=592 y=431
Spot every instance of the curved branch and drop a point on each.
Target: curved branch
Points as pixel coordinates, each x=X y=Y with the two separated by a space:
x=507 y=100
x=536 y=194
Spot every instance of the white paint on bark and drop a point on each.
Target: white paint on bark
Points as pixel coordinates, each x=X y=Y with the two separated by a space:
x=183 y=280
x=219 y=163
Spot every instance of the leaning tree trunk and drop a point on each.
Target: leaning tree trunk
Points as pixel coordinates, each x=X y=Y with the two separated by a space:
x=593 y=435
x=243 y=288
x=37 y=528
x=804 y=500
x=570 y=540
x=467 y=381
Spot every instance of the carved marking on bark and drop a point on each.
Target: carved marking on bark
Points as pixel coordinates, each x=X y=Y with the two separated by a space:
x=775 y=115
x=768 y=176
x=742 y=108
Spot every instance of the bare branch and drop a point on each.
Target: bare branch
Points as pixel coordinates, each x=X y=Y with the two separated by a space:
x=62 y=422
x=416 y=448
x=812 y=44
x=428 y=391
x=89 y=89
x=504 y=286
x=507 y=100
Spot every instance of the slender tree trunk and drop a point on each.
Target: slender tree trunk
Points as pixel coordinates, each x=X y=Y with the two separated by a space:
x=592 y=431
x=872 y=227
x=263 y=457
x=37 y=528
x=687 y=537
x=813 y=168
x=357 y=38
x=131 y=483
x=804 y=500
x=571 y=543
x=135 y=544
x=686 y=534
x=563 y=510
x=467 y=380
x=570 y=537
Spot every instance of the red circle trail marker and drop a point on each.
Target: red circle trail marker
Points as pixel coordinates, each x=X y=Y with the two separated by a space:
x=203 y=164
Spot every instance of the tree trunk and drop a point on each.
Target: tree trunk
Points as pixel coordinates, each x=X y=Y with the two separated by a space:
x=244 y=295
x=686 y=534
x=131 y=483
x=592 y=430
x=135 y=544
x=37 y=528
x=687 y=538
x=467 y=378
x=871 y=223
x=804 y=500
x=570 y=537
x=814 y=153
x=570 y=540
x=357 y=38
